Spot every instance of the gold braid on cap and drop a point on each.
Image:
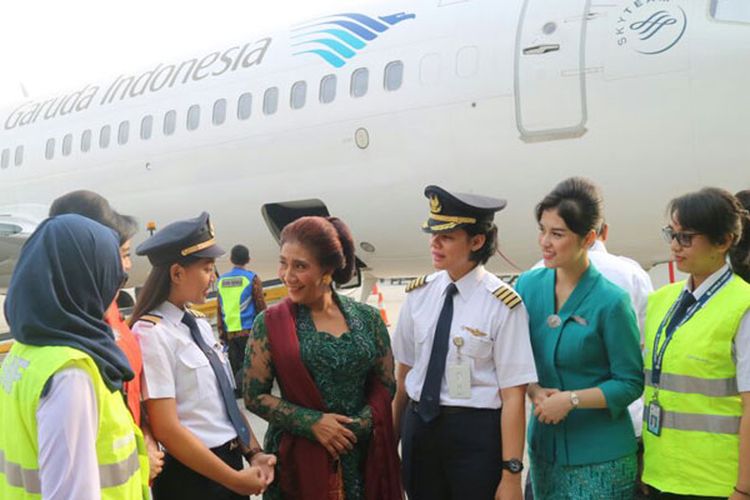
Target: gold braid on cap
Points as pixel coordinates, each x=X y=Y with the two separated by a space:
x=453 y=218
x=198 y=247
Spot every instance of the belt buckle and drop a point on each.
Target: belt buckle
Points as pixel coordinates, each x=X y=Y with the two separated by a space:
x=234 y=444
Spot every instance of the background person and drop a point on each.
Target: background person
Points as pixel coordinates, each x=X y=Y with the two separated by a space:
x=240 y=299
x=97 y=208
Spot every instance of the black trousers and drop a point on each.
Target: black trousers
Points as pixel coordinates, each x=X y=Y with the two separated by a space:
x=658 y=495
x=457 y=456
x=178 y=482
x=236 y=356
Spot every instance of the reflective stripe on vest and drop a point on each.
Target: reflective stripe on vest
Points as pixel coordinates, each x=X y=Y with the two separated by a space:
x=718 y=387
x=715 y=424
x=119 y=473
x=110 y=475
x=17 y=476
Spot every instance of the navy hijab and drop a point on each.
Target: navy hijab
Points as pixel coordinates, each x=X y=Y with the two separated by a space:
x=67 y=276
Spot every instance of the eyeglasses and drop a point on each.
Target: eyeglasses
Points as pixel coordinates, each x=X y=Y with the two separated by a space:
x=684 y=238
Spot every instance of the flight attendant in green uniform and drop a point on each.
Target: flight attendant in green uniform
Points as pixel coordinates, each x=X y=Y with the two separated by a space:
x=586 y=345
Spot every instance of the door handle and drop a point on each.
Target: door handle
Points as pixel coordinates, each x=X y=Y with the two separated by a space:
x=541 y=49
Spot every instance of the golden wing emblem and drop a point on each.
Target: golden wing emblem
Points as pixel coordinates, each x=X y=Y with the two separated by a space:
x=435 y=206
x=474 y=331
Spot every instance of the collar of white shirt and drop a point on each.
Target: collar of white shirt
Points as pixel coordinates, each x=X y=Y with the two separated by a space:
x=598 y=246
x=467 y=284
x=170 y=312
x=703 y=288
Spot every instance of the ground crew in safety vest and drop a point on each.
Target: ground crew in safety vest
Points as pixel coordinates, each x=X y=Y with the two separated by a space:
x=240 y=300
x=697 y=357
x=65 y=431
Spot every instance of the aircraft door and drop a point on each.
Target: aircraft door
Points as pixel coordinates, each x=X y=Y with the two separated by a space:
x=550 y=84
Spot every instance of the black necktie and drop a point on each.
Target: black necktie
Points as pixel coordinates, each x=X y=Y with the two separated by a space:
x=686 y=301
x=225 y=386
x=429 y=402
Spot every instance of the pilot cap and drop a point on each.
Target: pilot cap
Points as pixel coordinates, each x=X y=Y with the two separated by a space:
x=193 y=238
x=449 y=211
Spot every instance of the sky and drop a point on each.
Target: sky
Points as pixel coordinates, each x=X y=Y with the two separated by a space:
x=48 y=47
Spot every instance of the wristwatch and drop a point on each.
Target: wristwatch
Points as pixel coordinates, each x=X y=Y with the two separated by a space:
x=574 y=399
x=514 y=466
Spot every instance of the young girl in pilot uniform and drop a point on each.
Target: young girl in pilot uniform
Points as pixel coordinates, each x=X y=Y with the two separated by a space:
x=464 y=359
x=188 y=386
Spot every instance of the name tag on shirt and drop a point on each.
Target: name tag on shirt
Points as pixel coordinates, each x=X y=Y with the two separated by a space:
x=459 y=380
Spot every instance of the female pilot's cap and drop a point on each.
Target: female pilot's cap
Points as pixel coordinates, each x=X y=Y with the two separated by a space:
x=449 y=211
x=181 y=239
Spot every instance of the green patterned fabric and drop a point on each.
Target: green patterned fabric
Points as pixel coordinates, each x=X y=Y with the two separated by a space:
x=613 y=480
x=339 y=366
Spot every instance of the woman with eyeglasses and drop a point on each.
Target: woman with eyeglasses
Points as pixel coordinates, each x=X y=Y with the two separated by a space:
x=697 y=356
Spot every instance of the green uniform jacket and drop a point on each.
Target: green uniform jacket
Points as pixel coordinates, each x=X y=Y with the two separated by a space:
x=596 y=344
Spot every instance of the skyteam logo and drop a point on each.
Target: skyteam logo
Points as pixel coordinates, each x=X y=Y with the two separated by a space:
x=340 y=37
x=649 y=27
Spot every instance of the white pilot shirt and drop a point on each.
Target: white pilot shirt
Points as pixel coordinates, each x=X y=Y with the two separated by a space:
x=175 y=367
x=498 y=351
x=741 y=349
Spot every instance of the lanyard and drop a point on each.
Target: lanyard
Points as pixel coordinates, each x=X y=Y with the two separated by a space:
x=658 y=354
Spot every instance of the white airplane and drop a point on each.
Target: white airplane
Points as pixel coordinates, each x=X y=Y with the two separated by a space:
x=354 y=113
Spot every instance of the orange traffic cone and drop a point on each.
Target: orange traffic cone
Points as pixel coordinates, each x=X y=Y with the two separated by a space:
x=381 y=307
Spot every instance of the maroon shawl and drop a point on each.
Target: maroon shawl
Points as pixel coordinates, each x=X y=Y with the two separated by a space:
x=308 y=471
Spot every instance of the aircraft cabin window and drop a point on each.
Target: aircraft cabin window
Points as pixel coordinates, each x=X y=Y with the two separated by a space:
x=123 y=132
x=271 y=101
x=67 y=144
x=193 y=117
x=170 y=122
x=19 y=155
x=86 y=141
x=394 y=75
x=245 y=106
x=104 y=136
x=299 y=95
x=5 y=161
x=147 y=127
x=220 y=112
x=328 y=89
x=360 y=78
x=737 y=11
x=49 y=150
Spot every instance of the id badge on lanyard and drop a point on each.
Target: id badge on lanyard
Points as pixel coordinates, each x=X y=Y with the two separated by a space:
x=458 y=374
x=655 y=410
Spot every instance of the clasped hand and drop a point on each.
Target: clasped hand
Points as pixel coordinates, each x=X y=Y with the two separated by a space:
x=550 y=405
x=335 y=437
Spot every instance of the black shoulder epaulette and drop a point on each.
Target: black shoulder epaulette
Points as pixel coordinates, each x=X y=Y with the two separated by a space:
x=196 y=313
x=154 y=319
x=507 y=295
x=416 y=283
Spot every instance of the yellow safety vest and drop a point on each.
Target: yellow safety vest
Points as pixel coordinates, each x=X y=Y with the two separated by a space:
x=120 y=449
x=697 y=452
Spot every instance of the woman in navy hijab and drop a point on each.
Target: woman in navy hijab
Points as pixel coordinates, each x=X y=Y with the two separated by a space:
x=65 y=431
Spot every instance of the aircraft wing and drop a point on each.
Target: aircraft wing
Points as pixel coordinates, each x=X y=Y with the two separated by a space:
x=14 y=231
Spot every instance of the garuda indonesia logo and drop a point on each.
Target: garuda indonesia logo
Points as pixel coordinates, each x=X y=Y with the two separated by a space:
x=340 y=37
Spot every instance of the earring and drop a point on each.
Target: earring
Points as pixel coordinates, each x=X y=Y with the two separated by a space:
x=327 y=280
